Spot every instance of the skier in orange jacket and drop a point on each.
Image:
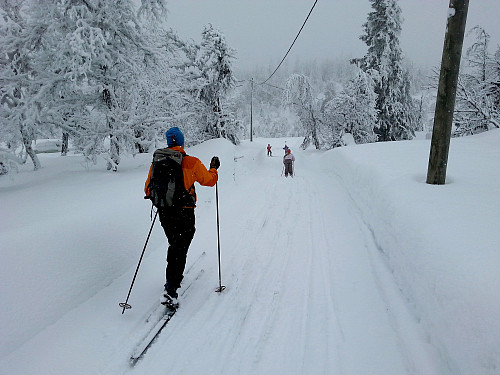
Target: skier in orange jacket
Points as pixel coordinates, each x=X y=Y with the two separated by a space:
x=179 y=222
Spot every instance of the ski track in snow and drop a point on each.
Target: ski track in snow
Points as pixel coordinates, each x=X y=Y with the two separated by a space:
x=305 y=294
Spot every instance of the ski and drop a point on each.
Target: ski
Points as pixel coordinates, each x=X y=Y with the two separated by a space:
x=141 y=350
x=155 y=331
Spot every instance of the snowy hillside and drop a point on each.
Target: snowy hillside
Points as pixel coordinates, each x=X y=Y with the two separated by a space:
x=354 y=266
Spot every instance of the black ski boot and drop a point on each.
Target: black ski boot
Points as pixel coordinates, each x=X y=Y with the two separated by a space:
x=169 y=298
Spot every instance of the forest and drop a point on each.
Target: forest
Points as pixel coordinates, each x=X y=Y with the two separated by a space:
x=106 y=78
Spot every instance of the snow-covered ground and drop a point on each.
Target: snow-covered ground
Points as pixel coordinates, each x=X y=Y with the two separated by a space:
x=354 y=266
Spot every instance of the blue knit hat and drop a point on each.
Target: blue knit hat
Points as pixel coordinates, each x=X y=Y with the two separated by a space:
x=174 y=137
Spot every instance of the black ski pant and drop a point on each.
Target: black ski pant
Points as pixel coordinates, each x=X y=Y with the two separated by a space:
x=288 y=168
x=178 y=224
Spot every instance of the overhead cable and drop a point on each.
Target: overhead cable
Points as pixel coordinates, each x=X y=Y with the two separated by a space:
x=275 y=70
x=276 y=87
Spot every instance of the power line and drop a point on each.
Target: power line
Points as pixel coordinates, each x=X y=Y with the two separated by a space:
x=276 y=87
x=275 y=70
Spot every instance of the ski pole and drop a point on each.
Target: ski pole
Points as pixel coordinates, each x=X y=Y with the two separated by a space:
x=221 y=287
x=125 y=304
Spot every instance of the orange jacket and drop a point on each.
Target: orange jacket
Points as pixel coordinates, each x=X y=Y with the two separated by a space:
x=194 y=171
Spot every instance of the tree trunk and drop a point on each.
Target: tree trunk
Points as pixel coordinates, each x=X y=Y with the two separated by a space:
x=114 y=148
x=314 y=133
x=65 y=142
x=114 y=154
x=31 y=153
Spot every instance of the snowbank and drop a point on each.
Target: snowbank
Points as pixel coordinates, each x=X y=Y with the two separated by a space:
x=441 y=242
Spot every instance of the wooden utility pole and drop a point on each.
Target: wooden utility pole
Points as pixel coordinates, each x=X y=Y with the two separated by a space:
x=251 y=111
x=447 y=89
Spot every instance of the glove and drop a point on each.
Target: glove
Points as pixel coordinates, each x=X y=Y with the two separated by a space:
x=215 y=163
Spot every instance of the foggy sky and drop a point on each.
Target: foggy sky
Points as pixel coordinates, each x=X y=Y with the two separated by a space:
x=261 y=31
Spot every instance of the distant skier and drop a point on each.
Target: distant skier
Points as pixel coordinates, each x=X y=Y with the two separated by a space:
x=269 y=152
x=288 y=161
x=286 y=148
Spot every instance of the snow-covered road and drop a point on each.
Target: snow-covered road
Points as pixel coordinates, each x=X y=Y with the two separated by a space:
x=307 y=292
x=309 y=287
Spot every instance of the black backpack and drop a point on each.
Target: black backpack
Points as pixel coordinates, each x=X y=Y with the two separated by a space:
x=166 y=185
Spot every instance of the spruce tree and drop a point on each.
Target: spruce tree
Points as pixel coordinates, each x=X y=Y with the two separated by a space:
x=383 y=62
x=214 y=61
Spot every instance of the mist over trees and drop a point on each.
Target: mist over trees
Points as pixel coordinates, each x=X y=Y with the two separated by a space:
x=379 y=97
x=372 y=101
x=108 y=78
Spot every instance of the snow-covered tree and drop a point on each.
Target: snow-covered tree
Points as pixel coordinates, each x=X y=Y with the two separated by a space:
x=109 y=79
x=392 y=85
x=18 y=43
x=494 y=89
x=91 y=58
x=477 y=103
x=159 y=99
x=152 y=12
x=298 y=95
x=352 y=111
x=214 y=62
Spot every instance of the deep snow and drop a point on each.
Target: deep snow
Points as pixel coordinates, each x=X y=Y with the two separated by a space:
x=354 y=266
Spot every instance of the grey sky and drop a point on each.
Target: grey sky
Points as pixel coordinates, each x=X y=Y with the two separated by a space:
x=262 y=30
